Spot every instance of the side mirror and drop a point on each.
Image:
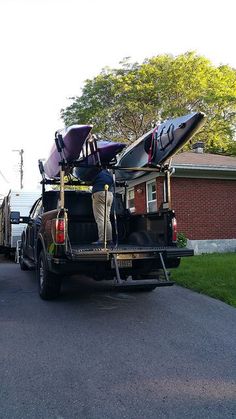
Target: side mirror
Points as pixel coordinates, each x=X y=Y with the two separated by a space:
x=15 y=217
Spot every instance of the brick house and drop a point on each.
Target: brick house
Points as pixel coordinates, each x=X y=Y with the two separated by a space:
x=203 y=192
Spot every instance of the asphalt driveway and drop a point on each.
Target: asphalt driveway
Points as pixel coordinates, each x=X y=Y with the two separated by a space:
x=99 y=354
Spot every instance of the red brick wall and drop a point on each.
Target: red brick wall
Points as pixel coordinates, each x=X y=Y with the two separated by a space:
x=205 y=208
x=159 y=187
x=140 y=198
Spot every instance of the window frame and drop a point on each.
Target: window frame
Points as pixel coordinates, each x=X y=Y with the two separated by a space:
x=153 y=200
x=132 y=209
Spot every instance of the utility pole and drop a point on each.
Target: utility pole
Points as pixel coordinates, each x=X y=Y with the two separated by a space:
x=21 y=151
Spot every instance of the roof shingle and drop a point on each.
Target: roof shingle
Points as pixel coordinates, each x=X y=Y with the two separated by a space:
x=194 y=159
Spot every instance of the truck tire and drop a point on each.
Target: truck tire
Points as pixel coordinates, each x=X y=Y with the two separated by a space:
x=49 y=283
x=23 y=266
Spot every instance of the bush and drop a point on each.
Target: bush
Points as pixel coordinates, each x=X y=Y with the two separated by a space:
x=181 y=240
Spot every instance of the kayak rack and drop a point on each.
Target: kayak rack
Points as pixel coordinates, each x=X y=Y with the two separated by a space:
x=66 y=169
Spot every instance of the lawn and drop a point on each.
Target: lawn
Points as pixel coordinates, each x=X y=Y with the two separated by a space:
x=210 y=274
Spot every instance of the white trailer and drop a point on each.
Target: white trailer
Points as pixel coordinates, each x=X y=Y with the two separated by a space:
x=14 y=203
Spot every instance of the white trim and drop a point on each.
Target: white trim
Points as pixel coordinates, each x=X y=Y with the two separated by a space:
x=143 y=179
x=205 y=167
x=153 y=200
x=182 y=171
x=132 y=209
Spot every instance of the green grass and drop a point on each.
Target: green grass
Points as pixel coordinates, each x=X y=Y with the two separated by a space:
x=210 y=274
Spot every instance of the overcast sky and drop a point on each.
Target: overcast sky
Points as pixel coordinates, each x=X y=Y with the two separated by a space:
x=49 y=47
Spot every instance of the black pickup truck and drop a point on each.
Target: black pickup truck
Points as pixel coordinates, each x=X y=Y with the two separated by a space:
x=58 y=243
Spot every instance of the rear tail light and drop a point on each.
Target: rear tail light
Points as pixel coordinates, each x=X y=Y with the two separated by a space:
x=174 y=230
x=60 y=231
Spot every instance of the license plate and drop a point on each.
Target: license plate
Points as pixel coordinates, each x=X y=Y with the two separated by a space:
x=122 y=263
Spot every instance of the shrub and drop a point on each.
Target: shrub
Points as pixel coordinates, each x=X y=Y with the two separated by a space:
x=181 y=240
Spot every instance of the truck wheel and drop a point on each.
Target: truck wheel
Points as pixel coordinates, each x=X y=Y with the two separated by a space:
x=23 y=266
x=49 y=283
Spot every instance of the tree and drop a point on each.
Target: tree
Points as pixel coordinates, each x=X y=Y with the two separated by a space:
x=124 y=103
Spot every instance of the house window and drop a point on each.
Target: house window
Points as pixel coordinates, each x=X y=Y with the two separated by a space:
x=130 y=200
x=151 y=196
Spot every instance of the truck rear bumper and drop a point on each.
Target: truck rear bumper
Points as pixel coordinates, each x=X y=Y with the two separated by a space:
x=178 y=252
x=130 y=259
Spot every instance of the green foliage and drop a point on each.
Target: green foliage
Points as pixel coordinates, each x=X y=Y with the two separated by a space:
x=124 y=103
x=210 y=274
x=181 y=240
x=71 y=187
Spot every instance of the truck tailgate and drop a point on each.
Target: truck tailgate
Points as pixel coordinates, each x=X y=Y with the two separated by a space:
x=126 y=252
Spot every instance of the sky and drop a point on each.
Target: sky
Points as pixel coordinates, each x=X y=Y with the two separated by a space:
x=48 y=48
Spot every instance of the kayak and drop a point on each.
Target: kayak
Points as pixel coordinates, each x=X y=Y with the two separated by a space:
x=105 y=153
x=109 y=149
x=74 y=138
x=159 y=144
